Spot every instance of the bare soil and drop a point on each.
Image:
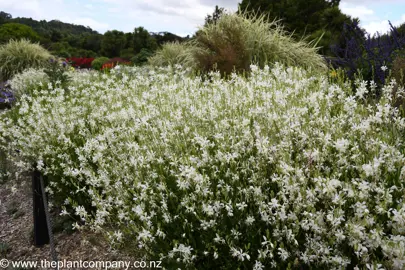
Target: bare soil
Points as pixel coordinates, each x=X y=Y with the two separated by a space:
x=16 y=232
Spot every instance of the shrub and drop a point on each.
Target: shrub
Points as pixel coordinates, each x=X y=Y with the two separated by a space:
x=15 y=56
x=127 y=54
x=142 y=57
x=80 y=62
x=98 y=62
x=174 y=53
x=237 y=40
x=277 y=170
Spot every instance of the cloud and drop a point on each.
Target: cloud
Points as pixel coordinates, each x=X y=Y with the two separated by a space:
x=178 y=17
x=31 y=7
x=193 y=10
x=358 y=11
x=383 y=26
x=88 y=6
x=373 y=14
x=89 y=22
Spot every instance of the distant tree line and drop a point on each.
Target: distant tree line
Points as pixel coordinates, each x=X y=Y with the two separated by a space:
x=310 y=19
x=70 y=40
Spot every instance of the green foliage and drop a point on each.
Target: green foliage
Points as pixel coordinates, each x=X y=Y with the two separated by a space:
x=17 y=55
x=238 y=40
x=398 y=73
x=127 y=53
x=63 y=224
x=17 y=31
x=142 y=39
x=56 y=71
x=398 y=67
x=164 y=37
x=174 y=53
x=112 y=43
x=69 y=40
x=4 y=17
x=142 y=57
x=98 y=62
x=304 y=18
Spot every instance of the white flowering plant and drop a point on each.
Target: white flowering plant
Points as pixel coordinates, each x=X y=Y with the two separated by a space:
x=281 y=169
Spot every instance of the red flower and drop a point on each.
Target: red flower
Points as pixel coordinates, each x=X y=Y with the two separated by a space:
x=80 y=62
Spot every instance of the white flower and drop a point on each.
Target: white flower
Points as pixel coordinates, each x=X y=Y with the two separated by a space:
x=384 y=68
x=368 y=169
x=239 y=254
x=258 y=266
x=249 y=220
x=283 y=254
x=342 y=144
x=215 y=255
x=118 y=235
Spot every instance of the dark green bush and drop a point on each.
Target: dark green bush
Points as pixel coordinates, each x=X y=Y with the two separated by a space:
x=98 y=62
x=142 y=57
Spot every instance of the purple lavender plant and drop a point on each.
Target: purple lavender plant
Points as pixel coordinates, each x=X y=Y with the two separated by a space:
x=6 y=96
x=369 y=55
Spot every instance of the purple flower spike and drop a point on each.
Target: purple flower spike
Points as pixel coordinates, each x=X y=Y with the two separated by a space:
x=6 y=94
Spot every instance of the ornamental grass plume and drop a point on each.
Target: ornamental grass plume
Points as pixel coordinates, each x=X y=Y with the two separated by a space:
x=236 y=41
x=18 y=55
x=174 y=53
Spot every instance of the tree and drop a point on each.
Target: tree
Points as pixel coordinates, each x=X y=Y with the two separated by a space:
x=310 y=18
x=129 y=40
x=4 y=17
x=112 y=43
x=215 y=16
x=91 y=42
x=17 y=31
x=142 y=39
x=56 y=36
x=164 y=37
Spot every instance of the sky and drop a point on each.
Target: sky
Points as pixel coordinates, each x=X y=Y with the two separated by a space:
x=181 y=17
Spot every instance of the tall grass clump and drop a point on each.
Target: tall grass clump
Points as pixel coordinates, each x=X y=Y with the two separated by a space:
x=237 y=40
x=174 y=53
x=17 y=55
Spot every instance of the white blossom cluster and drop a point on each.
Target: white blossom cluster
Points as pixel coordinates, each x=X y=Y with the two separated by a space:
x=276 y=170
x=28 y=79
